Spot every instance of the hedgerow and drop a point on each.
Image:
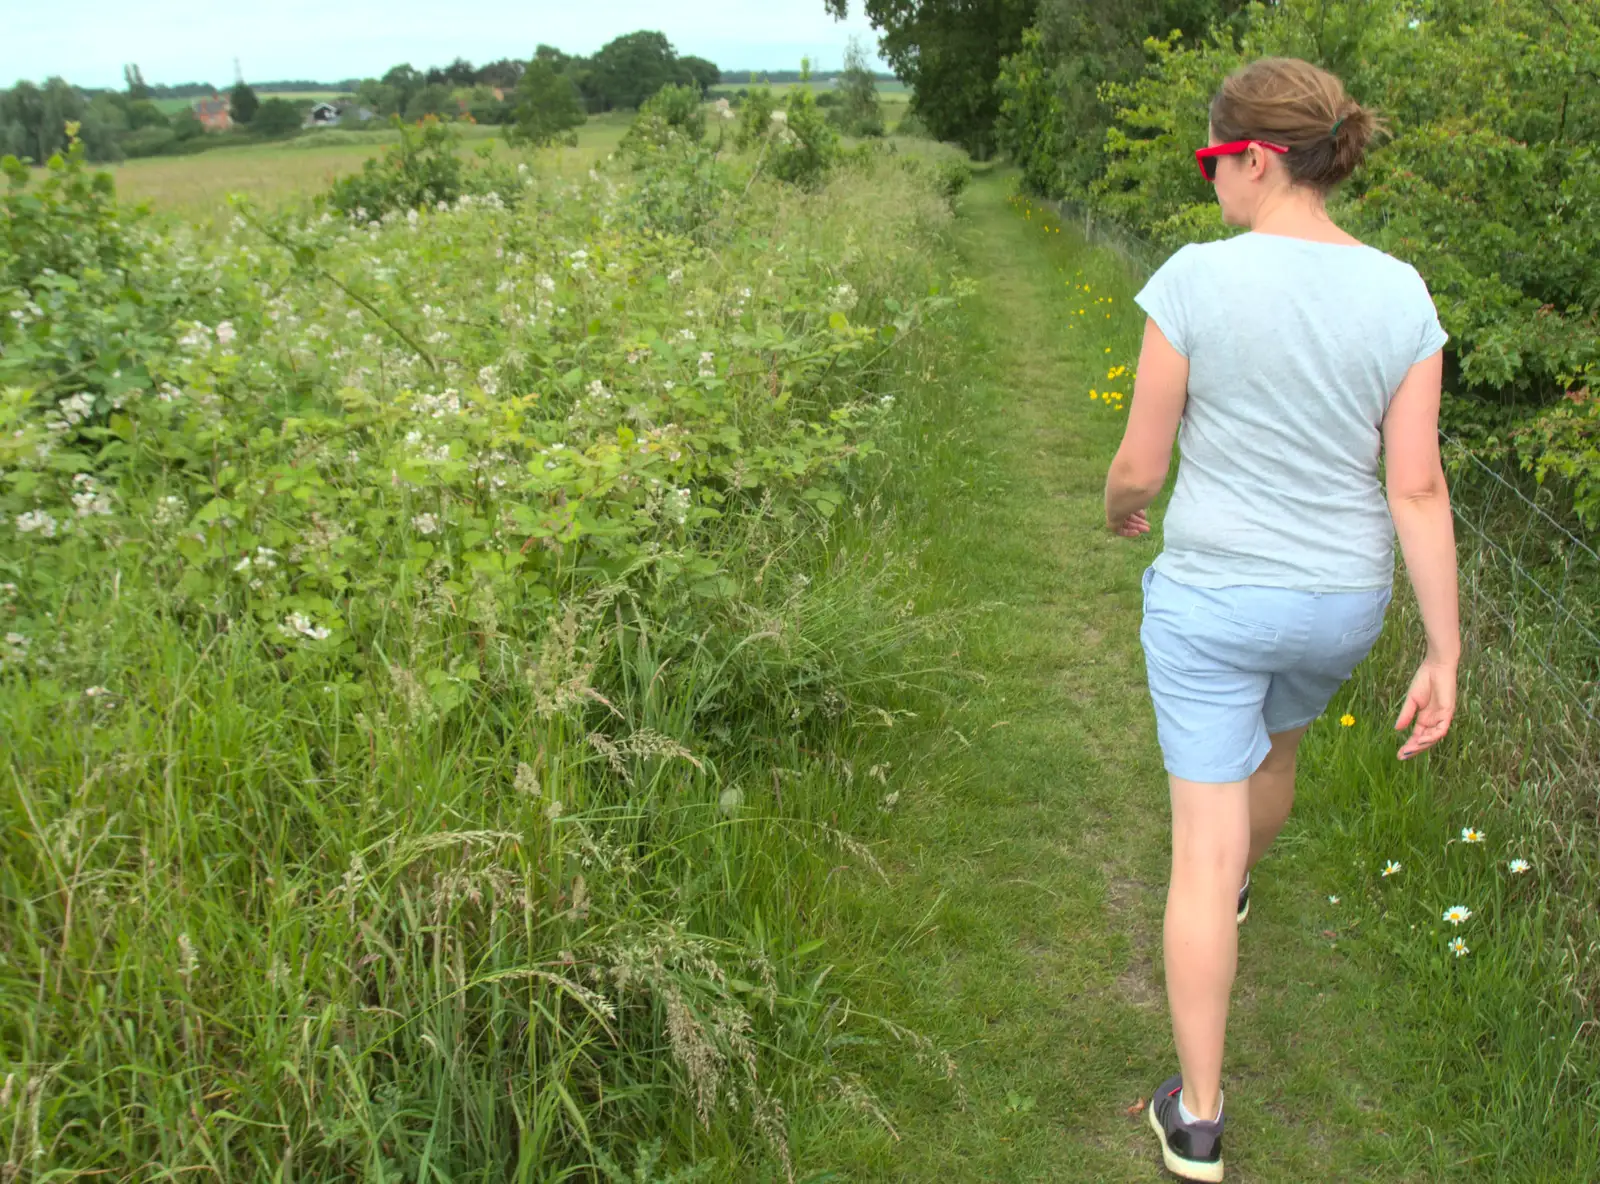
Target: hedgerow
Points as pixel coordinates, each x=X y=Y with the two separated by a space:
x=438 y=629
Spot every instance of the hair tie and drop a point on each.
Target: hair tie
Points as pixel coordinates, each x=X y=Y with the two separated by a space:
x=1333 y=132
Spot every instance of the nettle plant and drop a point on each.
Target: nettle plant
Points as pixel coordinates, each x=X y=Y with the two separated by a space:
x=495 y=404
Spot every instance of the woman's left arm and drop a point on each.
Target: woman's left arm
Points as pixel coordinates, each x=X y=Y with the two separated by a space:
x=1160 y=391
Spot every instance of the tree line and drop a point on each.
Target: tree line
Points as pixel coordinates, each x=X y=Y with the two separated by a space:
x=114 y=124
x=622 y=74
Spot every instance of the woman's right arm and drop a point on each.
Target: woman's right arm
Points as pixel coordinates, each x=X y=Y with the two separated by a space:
x=1419 y=502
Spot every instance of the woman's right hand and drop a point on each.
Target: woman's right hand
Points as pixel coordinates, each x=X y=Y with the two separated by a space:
x=1430 y=706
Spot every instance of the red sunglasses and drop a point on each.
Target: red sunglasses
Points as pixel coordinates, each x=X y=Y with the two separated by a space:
x=1206 y=158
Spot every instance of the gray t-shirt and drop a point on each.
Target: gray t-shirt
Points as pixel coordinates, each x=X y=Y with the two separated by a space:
x=1295 y=349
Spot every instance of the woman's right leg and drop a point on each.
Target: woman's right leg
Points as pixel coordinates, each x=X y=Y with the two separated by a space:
x=1272 y=792
x=1210 y=839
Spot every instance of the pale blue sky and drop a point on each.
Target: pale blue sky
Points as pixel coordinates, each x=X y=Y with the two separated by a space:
x=87 y=41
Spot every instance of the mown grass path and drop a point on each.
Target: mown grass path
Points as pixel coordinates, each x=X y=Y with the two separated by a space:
x=1022 y=926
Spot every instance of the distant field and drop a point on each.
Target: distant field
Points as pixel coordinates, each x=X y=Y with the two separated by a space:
x=173 y=106
x=886 y=89
x=198 y=186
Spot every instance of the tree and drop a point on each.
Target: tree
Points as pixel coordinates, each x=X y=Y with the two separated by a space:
x=630 y=69
x=949 y=53
x=503 y=73
x=144 y=113
x=458 y=73
x=403 y=82
x=435 y=99
x=857 y=110
x=243 y=104
x=699 y=72
x=186 y=125
x=277 y=117
x=547 y=105
x=135 y=81
x=1054 y=115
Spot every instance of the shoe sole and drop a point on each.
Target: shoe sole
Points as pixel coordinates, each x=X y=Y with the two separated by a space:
x=1184 y=1169
x=1244 y=912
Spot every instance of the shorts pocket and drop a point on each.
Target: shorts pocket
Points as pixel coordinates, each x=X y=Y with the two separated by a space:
x=1367 y=631
x=1216 y=619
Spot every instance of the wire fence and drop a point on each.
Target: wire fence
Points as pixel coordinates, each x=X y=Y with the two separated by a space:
x=1530 y=611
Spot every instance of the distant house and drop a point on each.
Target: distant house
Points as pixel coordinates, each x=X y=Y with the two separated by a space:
x=322 y=115
x=213 y=114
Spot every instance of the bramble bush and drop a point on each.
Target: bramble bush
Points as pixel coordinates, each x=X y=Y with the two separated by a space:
x=436 y=647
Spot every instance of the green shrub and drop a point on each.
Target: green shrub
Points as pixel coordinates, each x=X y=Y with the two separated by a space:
x=149 y=141
x=424 y=169
x=673 y=111
x=81 y=317
x=910 y=124
x=804 y=145
x=755 y=117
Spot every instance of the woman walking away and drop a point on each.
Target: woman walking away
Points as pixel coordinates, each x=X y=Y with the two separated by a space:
x=1281 y=359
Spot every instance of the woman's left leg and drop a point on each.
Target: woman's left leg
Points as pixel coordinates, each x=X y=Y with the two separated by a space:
x=1210 y=848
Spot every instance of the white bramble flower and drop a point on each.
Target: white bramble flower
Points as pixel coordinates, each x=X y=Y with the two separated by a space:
x=1471 y=834
x=426 y=523
x=1391 y=868
x=1458 y=947
x=1518 y=866
x=1333 y=900
x=40 y=522
x=675 y=276
x=298 y=624
x=226 y=333
x=196 y=339
x=96 y=692
x=1457 y=913
x=708 y=367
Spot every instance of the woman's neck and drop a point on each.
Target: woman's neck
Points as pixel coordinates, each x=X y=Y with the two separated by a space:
x=1294 y=212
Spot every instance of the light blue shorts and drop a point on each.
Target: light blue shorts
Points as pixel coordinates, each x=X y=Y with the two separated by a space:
x=1229 y=667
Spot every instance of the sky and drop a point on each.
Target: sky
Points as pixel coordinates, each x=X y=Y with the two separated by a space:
x=189 y=41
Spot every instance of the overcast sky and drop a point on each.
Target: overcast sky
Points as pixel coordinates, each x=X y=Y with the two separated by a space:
x=87 y=41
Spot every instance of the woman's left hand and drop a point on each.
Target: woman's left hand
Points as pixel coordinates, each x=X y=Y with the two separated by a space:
x=1132 y=526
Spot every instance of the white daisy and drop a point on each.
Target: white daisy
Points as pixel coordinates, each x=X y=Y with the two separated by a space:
x=1458 y=947
x=1457 y=913
x=1471 y=834
x=1517 y=866
x=1391 y=868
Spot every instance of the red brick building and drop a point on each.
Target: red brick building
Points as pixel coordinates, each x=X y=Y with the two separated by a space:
x=213 y=114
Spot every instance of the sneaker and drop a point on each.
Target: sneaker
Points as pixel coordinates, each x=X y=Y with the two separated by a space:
x=1244 y=900
x=1191 y=1150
